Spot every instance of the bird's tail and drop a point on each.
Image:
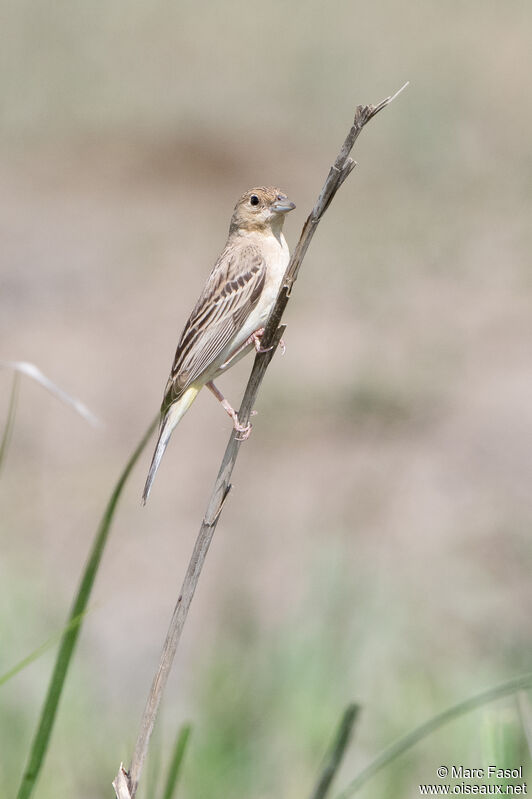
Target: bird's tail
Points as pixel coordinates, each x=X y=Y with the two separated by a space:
x=172 y=416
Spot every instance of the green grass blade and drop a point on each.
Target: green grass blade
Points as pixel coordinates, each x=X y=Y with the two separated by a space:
x=40 y=650
x=336 y=755
x=408 y=741
x=10 y=421
x=69 y=639
x=176 y=762
x=525 y=712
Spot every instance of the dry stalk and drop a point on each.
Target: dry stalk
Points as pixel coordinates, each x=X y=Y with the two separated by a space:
x=340 y=170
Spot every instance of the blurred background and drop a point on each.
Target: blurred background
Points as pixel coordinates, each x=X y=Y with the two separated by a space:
x=376 y=546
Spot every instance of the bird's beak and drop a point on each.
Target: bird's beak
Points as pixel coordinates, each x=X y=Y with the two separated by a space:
x=282 y=205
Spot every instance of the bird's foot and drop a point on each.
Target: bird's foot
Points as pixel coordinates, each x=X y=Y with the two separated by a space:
x=256 y=339
x=243 y=430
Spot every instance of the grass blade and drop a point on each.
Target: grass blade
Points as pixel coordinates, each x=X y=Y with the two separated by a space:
x=40 y=650
x=176 y=762
x=69 y=639
x=408 y=741
x=29 y=369
x=334 y=760
x=10 y=421
x=525 y=712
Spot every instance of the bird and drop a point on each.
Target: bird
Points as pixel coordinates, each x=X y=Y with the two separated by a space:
x=231 y=313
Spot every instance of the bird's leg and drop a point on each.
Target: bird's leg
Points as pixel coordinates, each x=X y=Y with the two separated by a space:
x=244 y=430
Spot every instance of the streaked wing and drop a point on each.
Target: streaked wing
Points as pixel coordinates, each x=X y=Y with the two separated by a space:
x=230 y=294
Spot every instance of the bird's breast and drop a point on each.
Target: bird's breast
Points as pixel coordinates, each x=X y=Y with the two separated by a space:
x=276 y=257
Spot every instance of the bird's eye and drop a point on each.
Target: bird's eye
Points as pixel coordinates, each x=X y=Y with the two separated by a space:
x=254 y=200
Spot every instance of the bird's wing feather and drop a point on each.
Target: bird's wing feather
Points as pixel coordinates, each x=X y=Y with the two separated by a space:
x=230 y=294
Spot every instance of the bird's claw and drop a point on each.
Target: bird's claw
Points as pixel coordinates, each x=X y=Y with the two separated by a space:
x=256 y=339
x=243 y=430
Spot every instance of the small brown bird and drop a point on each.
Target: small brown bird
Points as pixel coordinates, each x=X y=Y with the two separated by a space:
x=229 y=317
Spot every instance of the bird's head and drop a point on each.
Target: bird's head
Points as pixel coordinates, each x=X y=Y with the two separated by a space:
x=262 y=209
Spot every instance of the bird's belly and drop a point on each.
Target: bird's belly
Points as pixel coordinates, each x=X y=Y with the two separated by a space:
x=260 y=313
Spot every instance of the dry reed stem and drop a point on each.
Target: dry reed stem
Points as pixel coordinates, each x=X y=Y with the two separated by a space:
x=340 y=170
